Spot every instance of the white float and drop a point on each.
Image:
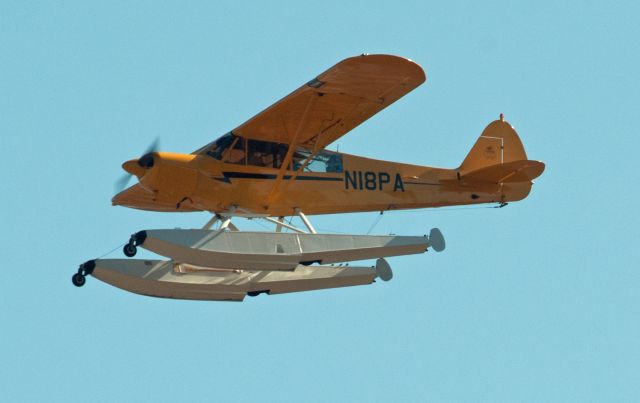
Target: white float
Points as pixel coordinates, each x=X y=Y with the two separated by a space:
x=168 y=279
x=277 y=251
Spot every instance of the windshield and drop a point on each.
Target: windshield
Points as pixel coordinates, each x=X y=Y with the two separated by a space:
x=219 y=146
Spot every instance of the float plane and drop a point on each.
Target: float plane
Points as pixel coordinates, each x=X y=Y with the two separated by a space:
x=277 y=165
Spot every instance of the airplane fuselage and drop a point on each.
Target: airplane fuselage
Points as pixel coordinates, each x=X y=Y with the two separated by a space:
x=187 y=182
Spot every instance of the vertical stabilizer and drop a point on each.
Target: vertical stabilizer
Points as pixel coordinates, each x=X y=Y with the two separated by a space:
x=499 y=143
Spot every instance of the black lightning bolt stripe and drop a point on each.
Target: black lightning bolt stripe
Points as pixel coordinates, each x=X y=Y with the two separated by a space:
x=248 y=175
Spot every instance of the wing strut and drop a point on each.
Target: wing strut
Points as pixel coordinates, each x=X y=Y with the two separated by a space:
x=292 y=147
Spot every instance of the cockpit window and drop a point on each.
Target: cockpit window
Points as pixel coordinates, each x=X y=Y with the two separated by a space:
x=237 y=152
x=266 y=154
x=234 y=149
x=219 y=146
x=229 y=148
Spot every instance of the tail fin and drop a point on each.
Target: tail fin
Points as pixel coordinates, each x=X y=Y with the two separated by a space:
x=498 y=144
x=499 y=157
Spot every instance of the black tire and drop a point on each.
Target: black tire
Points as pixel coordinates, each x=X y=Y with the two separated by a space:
x=78 y=280
x=130 y=250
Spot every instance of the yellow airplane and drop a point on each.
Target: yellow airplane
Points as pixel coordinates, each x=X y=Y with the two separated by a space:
x=276 y=163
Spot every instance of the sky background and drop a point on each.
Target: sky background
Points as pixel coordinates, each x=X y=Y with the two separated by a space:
x=534 y=302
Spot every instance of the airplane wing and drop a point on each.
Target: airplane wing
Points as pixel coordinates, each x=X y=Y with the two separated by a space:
x=335 y=102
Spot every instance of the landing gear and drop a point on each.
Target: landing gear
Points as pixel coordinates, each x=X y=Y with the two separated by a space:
x=130 y=249
x=78 y=279
x=84 y=270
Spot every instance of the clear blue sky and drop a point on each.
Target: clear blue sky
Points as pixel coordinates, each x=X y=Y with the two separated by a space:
x=534 y=302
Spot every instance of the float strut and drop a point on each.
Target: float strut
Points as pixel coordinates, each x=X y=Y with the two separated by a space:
x=305 y=220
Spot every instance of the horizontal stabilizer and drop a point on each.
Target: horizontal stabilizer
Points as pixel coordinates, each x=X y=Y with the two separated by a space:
x=509 y=172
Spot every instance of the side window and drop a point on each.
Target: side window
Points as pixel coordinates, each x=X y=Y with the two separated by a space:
x=323 y=161
x=334 y=162
x=266 y=154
